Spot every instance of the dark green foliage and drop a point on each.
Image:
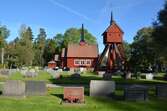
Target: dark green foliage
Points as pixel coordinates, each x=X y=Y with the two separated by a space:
x=127 y=50
x=11 y=55
x=142 y=53
x=59 y=39
x=49 y=51
x=160 y=32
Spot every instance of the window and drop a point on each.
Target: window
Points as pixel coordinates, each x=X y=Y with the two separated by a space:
x=76 y=62
x=82 y=62
x=88 y=62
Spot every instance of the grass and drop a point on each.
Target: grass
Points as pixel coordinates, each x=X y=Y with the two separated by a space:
x=86 y=78
x=16 y=76
x=51 y=102
x=41 y=76
x=67 y=79
x=3 y=78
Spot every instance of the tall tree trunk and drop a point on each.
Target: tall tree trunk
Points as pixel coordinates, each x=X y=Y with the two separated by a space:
x=2 y=55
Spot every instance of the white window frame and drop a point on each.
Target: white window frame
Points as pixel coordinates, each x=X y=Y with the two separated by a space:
x=82 y=62
x=75 y=62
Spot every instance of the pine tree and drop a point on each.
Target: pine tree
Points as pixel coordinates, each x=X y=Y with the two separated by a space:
x=39 y=47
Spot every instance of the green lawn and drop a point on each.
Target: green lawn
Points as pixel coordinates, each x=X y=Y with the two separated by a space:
x=85 y=79
x=41 y=76
x=51 y=102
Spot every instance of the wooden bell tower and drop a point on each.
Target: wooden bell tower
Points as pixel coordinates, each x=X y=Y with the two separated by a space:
x=113 y=41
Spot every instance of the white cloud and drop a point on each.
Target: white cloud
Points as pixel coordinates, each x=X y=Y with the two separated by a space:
x=68 y=9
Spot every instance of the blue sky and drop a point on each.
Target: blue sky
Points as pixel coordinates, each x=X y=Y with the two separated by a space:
x=58 y=15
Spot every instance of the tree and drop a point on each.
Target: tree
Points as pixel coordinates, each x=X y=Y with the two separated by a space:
x=59 y=39
x=72 y=35
x=4 y=33
x=142 y=52
x=127 y=50
x=160 y=33
x=11 y=55
x=24 y=48
x=49 y=51
x=39 y=46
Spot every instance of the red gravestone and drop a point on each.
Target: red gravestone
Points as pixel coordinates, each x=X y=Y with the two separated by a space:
x=74 y=94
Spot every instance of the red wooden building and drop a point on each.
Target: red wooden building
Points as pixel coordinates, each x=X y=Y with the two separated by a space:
x=54 y=63
x=81 y=55
x=113 y=34
x=113 y=41
x=51 y=64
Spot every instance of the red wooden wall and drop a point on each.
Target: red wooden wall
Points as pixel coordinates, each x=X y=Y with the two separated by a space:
x=70 y=62
x=113 y=34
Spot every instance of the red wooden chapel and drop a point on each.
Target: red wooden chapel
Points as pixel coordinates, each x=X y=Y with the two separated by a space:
x=81 y=55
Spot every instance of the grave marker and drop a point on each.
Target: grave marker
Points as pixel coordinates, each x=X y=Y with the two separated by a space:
x=4 y=72
x=14 y=88
x=102 y=88
x=161 y=91
x=149 y=76
x=74 y=94
x=136 y=93
x=37 y=88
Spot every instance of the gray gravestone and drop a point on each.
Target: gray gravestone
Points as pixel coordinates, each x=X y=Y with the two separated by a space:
x=136 y=93
x=102 y=88
x=149 y=76
x=14 y=88
x=101 y=73
x=107 y=76
x=161 y=91
x=52 y=72
x=35 y=88
x=4 y=72
x=12 y=71
x=55 y=74
x=31 y=74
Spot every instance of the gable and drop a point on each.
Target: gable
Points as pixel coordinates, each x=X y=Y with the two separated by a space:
x=113 y=28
